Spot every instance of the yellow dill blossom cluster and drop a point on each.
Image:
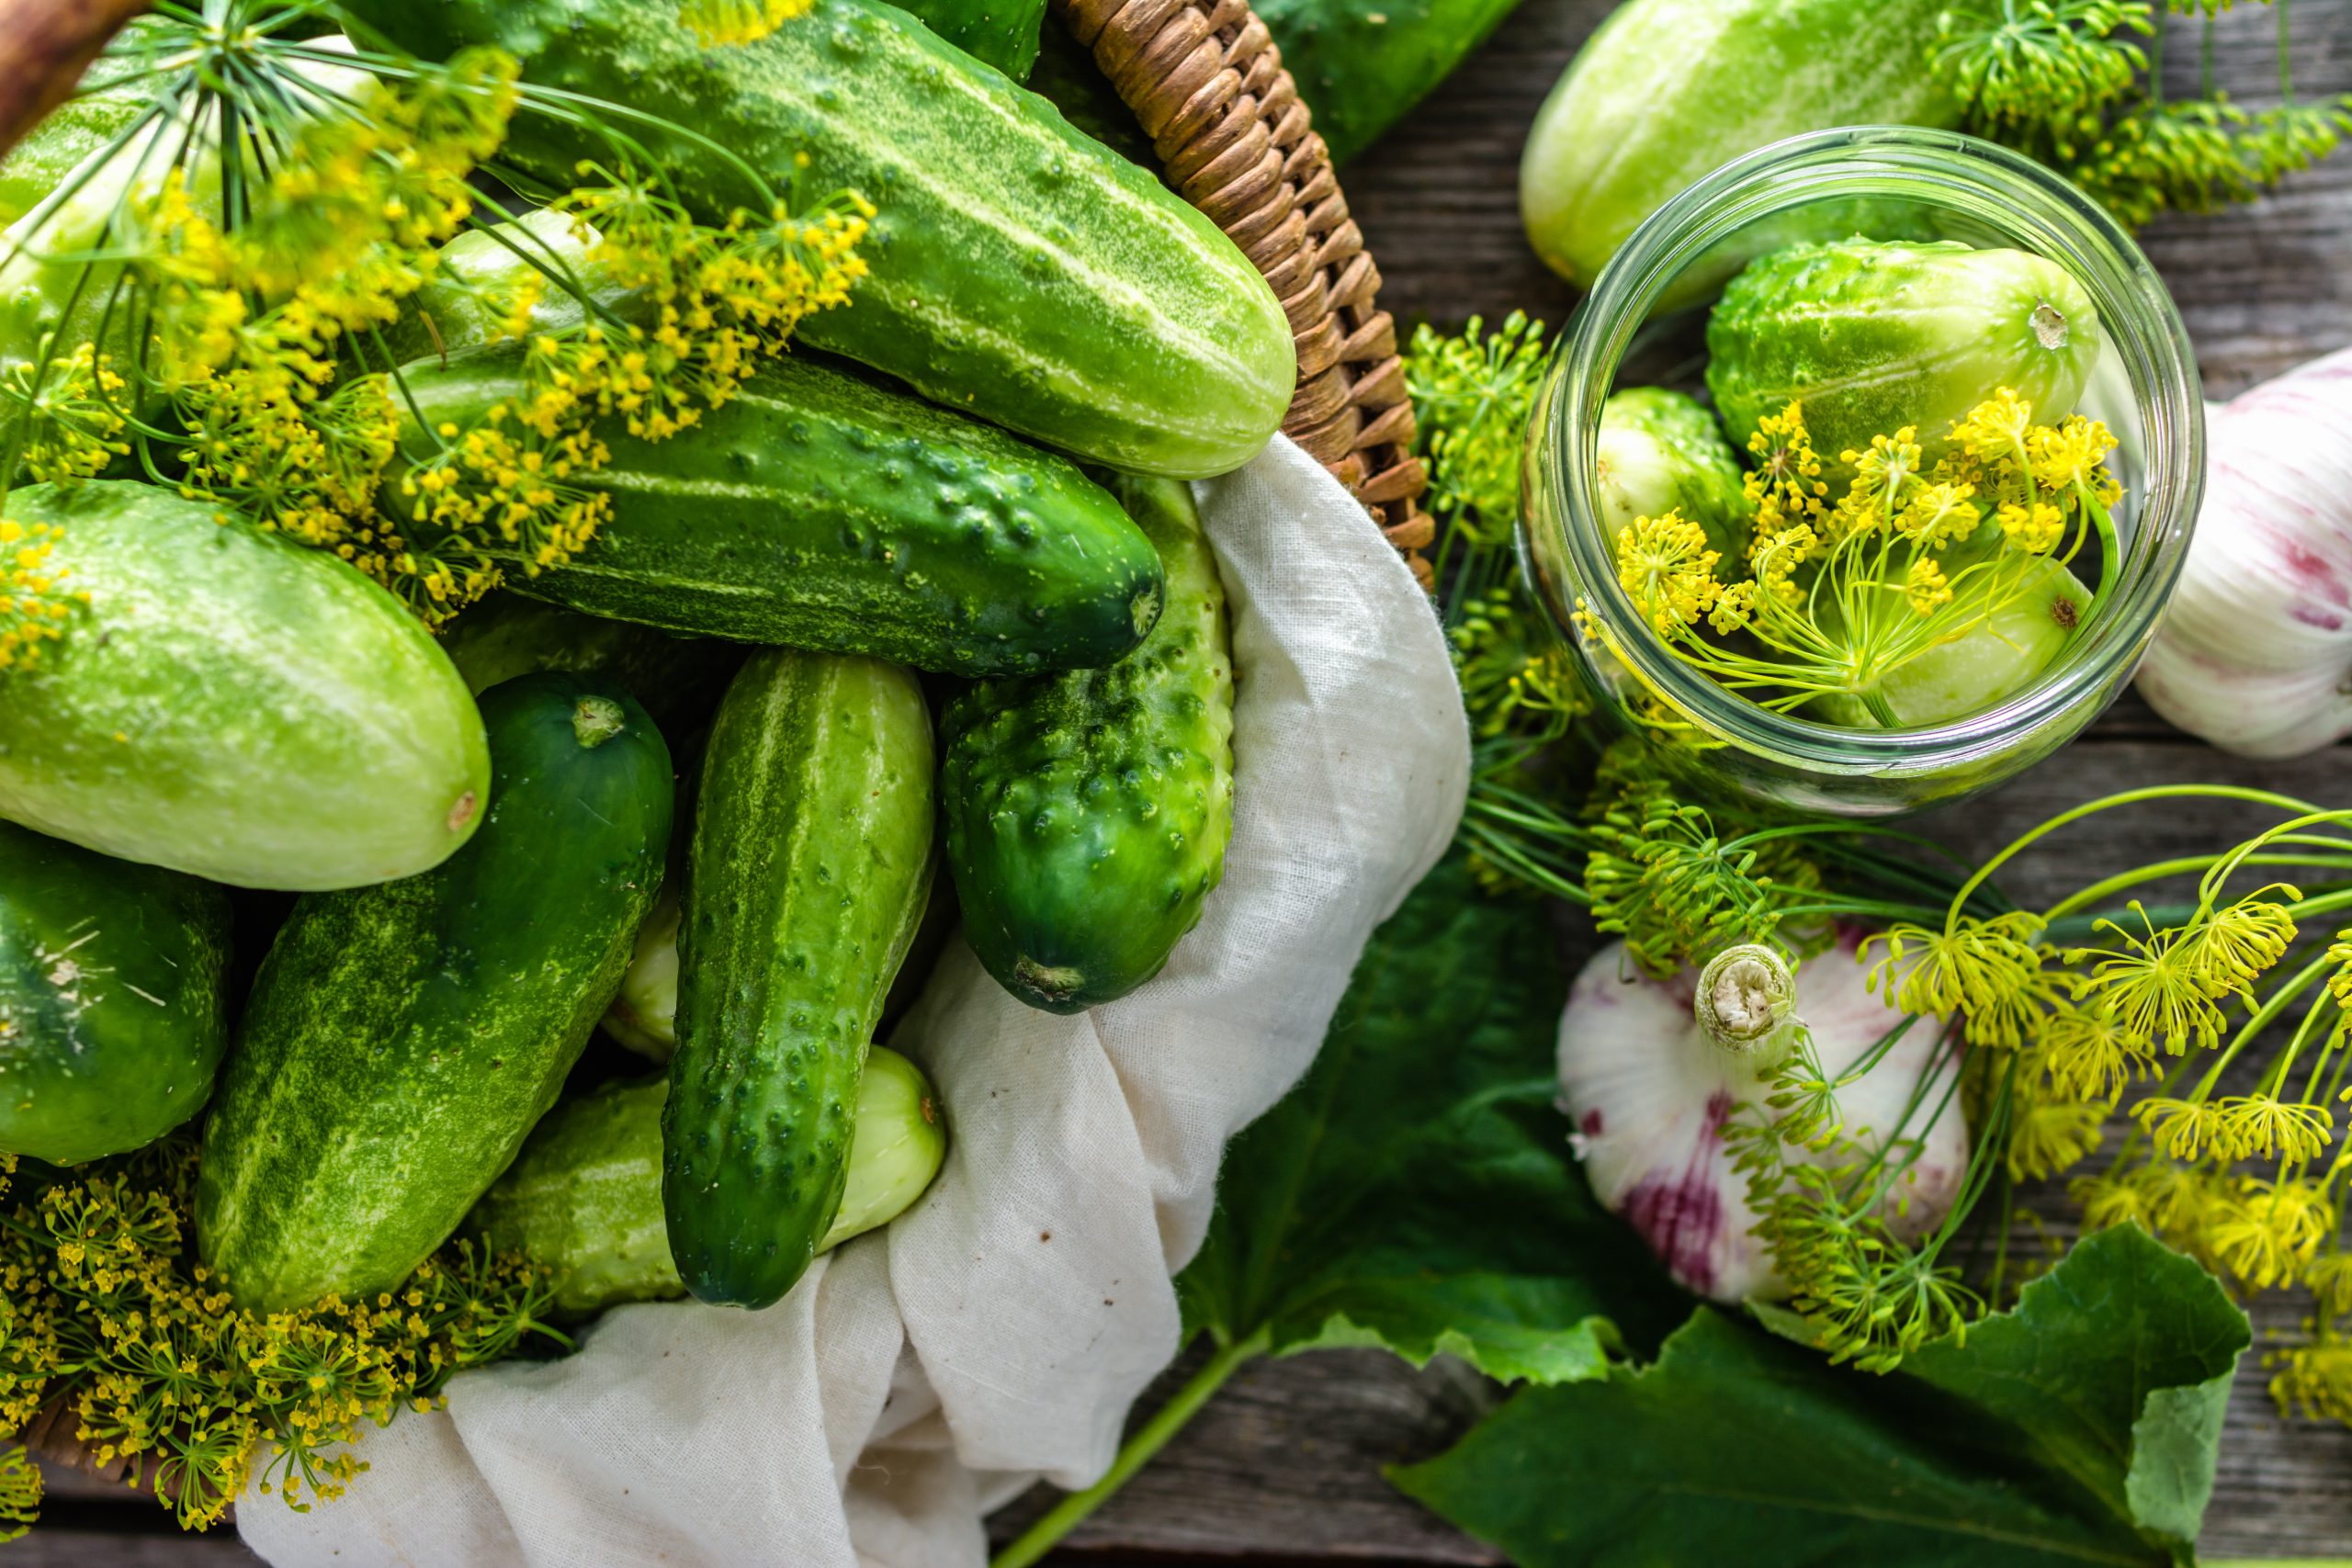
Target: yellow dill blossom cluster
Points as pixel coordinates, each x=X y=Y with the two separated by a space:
x=1841 y=590
x=72 y=422
x=163 y=1374
x=35 y=601
x=721 y=22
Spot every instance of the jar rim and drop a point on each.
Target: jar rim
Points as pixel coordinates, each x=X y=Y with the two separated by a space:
x=1934 y=168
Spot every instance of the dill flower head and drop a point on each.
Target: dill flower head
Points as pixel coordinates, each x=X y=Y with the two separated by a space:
x=2260 y=1125
x=2314 y=1380
x=1995 y=428
x=2229 y=947
x=2047 y=1136
x=2157 y=987
x=2184 y=1129
x=1926 y=587
x=35 y=600
x=1987 y=970
x=1665 y=564
x=723 y=22
x=2073 y=454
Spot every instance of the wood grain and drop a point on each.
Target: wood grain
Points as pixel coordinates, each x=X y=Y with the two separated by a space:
x=1283 y=1467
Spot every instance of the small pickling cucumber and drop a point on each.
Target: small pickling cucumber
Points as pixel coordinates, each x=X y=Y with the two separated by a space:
x=676 y=678
x=112 y=1012
x=644 y=1014
x=1019 y=271
x=1659 y=451
x=1360 y=64
x=402 y=1040
x=1996 y=658
x=820 y=509
x=1871 y=338
x=583 y=1198
x=806 y=878
x=232 y=704
x=1087 y=813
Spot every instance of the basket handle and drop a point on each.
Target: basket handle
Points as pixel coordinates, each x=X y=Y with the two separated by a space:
x=45 y=45
x=1207 y=85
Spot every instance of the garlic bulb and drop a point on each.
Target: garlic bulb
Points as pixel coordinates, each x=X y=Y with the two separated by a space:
x=1649 y=1089
x=2255 y=653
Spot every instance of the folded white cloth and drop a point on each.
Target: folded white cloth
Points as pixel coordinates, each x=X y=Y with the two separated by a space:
x=1002 y=1327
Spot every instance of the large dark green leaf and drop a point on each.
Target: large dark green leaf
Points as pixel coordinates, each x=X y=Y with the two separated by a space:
x=1415 y=1190
x=2078 y=1428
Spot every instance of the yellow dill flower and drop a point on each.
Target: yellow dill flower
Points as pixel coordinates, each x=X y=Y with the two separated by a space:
x=2314 y=1380
x=2073 y=454
x=2267 y=1231
x=2113 y=1199
x=1995 y=428
x=1925 y=586
x=2087 y=1055
x=1987 y=970
x=1776 y=557
x=2229 y=948
x=1883 y=474
x=2184 y=1129
x=2049 y=1136
x=73 y=418
x=2154 y=987
x=721 y=22
x=2261 y=1125
x=1734 y=607
x=1940 y=513
x=1787 y=476
x=2330 y=1279
x=35 y=601
x=1665 y=564
x=2036 y=528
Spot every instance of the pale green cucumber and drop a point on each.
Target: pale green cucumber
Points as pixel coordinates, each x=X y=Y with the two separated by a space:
x=1994 y=658
x=233 y=705
x=583 y=1198
x=1659 y=451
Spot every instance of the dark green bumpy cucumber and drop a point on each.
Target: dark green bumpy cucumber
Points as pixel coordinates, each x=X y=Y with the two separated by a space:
x=402 y=1040
x=1087 y=813
x=583 y=1198
x=819 y=509
x=806 y=877
x=112 y=1012
x=1020 y=271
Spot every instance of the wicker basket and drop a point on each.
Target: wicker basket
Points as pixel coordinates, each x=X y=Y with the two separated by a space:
x=1207 y=83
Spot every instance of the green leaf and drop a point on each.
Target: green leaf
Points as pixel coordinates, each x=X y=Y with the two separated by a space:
x=2079 y=1428
x=1415 y=1190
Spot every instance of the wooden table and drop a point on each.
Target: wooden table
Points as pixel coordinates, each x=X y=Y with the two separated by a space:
x=1283 y=1467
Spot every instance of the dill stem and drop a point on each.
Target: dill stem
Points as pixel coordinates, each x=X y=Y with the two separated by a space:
x=2286 y=66
x=1135 y=1453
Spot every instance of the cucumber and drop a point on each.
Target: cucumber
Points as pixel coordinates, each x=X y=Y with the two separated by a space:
x=677 y=680
x=402 y=1040
x=102 y=109
x=1994 y=659
x=644 y=1013
x=233 y=705
x=1872 y=337
x=1659 y=451
x=1002 y=33
x=806 y=878
x=1360 y=64
x=113 y=1015
x=819 y=509
x=1019 y=272
x=1064 y=75
x=1667 y=91
x=454 y=313
x=1087 y=814
x=583 y=1198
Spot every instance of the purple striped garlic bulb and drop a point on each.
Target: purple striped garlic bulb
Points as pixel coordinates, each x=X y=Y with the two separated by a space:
x=1652 y=1071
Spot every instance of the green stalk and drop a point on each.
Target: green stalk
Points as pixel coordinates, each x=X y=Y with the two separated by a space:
x=1135 y=1453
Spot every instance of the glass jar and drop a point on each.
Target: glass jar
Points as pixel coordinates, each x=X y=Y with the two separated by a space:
x=1888 y=183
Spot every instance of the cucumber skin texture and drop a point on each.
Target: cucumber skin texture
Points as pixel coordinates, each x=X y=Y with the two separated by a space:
x=1019 y=272
x=1667 y=91
x=1360 y=64
x=820 y=510
x=1087 y=814
x=113 y=1013
x=585 y=1196
x=402 y=1041
x=1002 y=33
x=1660 y=451
x=808 y=874
x=1872 y=337
x=233 y=705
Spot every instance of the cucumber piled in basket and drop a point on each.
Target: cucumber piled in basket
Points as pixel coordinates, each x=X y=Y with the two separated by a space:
x=597 y=503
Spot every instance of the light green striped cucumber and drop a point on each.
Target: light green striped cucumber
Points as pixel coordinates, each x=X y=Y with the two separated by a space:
x=112 y=1012
x=806 y=880
x=1871 y=338
x=402 y=1040
x=1021 y=272
x=1667 y=91
x=1087 y=813
x=583 y=1198
x=1659 y=451
x=819 y=508
x=233 y=705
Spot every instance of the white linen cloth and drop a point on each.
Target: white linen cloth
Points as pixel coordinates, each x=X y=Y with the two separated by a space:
x=1002 y=1326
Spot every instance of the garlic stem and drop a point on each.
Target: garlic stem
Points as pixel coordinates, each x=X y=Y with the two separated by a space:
x=1746 y=999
